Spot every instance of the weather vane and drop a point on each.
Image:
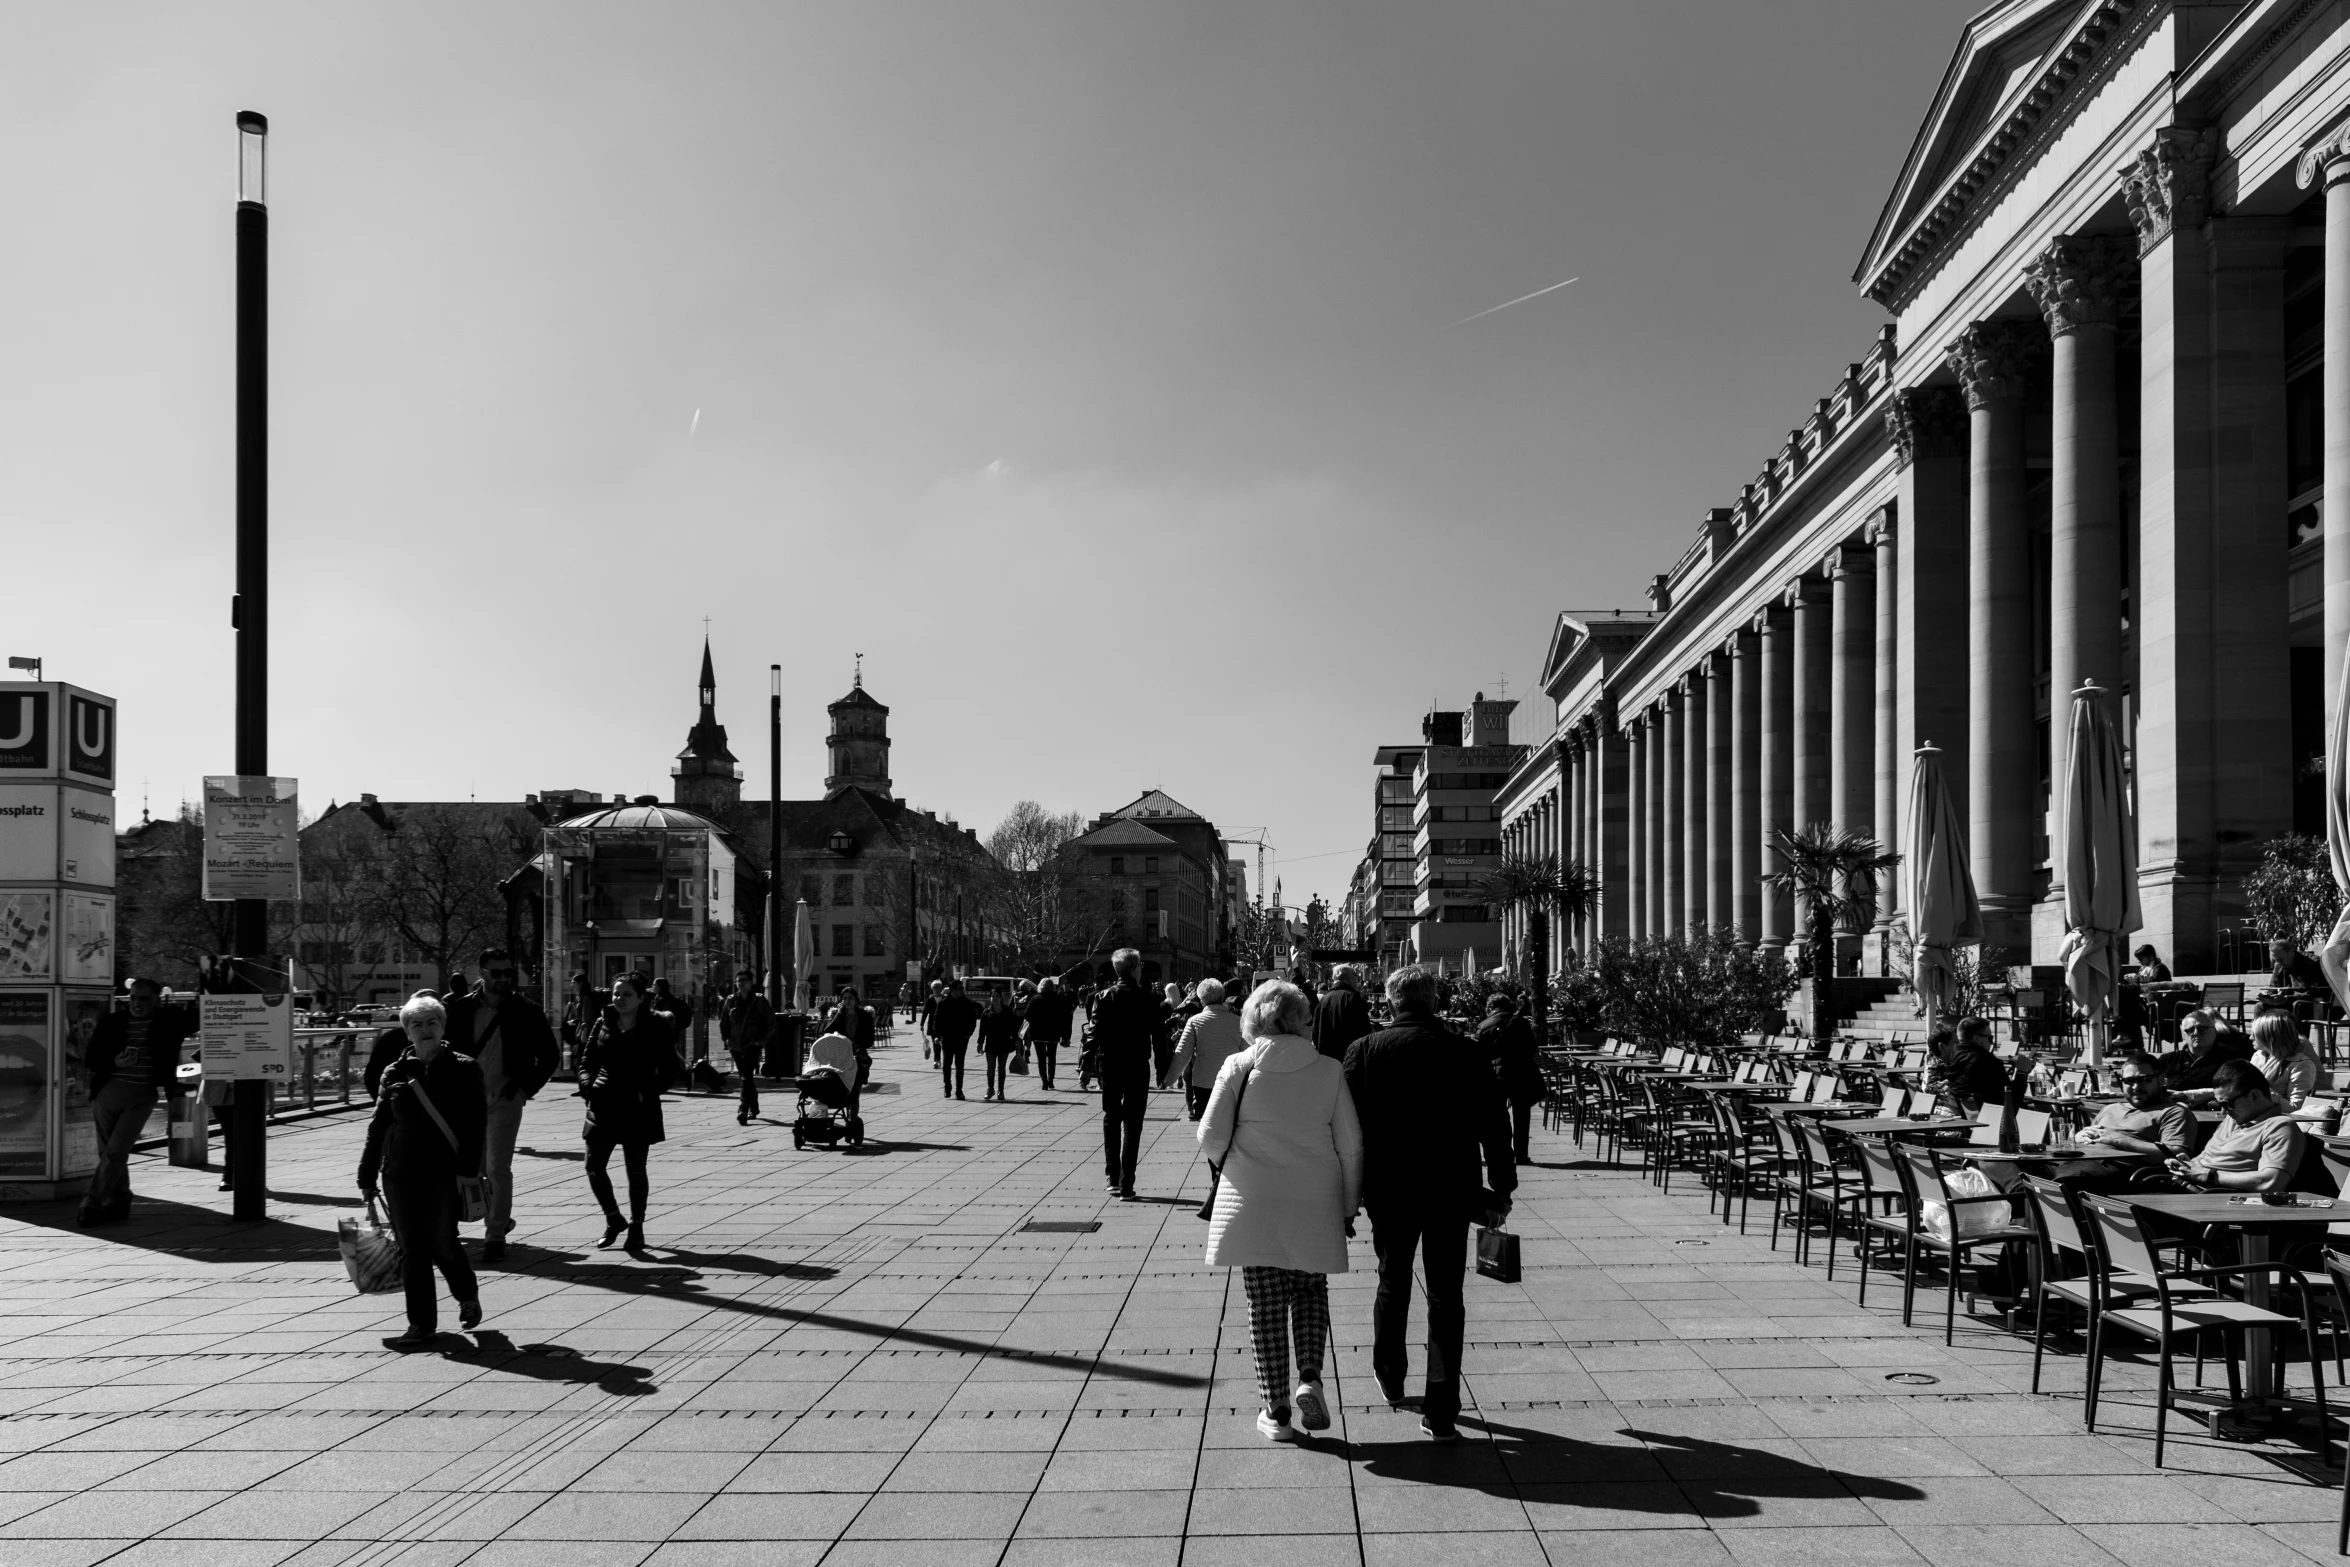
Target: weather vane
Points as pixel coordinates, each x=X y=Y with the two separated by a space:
x=860 y=680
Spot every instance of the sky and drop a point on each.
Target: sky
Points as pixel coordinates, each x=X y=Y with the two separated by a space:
x=1101 y=373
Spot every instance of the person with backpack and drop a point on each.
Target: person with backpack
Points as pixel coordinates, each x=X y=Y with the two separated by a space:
x=424 y=1146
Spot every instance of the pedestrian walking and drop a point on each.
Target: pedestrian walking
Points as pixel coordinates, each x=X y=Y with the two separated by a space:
x=930 y=1000
x=132 y=1056
x=389 y=1045
x=999 y=1040
x=1436 y=1155
x=1172 y=1017
x=579 y=1017
x=1515 y=1055
x=953 y=1021
x=424 y=1146
x=747 y=1023
x=1343 y=1015
x=1127 y=1021
x=630 y=1060
x=1280 y=1129
x=1210 y=1037
x=1046 y=1028
x=510 y=1042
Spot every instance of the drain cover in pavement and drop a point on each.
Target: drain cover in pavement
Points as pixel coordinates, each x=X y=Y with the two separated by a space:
x=1911 y=1378
x=1063 y=1226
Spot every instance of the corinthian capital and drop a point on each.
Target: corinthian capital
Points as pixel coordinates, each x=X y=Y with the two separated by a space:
x=1992 y=359
x=2170 y=183
x=2079 y=280
x=1926 y=421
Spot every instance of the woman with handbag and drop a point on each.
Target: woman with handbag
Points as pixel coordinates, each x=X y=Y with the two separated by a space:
x=630 y=1059
x=425 y=1143
x=1281 y=1136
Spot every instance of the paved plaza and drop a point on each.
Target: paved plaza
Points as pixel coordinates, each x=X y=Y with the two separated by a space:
x=876 y=1356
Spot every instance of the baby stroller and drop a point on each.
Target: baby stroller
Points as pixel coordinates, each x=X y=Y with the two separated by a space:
x=827 y=1112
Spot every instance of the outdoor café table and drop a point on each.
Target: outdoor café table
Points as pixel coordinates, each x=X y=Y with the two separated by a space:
x=1898 y=1126
x=2256 y=1222
x=2006 y=1170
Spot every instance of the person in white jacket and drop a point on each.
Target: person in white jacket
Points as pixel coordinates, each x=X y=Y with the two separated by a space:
x=1280 y=1123
x=1211 y=1036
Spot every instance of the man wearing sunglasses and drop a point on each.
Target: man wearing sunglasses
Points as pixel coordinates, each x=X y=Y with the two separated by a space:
x=2149 y=1120
x=2256 y=1149
x=510 y=1040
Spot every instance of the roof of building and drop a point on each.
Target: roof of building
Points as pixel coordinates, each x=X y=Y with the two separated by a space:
x=706 y=741
x=868 y=817
x=1123 y=833
x=1157 y=803
x=644 y=817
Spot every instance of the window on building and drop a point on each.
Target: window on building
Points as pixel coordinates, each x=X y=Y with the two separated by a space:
x=844 y=941
x=876 y=942
x=1150 y=865
x=1150 y=900
x=844 y=892
x=1117 y=865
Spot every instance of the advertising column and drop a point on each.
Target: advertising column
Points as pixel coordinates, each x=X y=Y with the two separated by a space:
x=57 y=751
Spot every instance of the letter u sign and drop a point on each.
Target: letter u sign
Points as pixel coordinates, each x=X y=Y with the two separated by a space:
x=24 y=731
x=90 y=732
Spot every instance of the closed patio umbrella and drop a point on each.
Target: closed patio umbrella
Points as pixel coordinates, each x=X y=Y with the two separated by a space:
x=803 y=958
x=2334 y=956
x=1943 y=911
x=2097 y=844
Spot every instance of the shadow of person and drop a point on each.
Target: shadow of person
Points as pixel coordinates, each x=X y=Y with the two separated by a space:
x=873 y=1146
x=319 y=1199
x=494 y=1351
x=576 y=1155
x=744 y=1262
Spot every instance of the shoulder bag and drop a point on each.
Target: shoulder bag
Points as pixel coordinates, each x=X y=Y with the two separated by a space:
x=1207 y=1204
x=472 y=1203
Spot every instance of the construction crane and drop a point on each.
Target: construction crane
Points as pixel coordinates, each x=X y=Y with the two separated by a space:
x=1252 y=835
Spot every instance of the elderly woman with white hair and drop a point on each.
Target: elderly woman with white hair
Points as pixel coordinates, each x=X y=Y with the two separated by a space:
x=1281 y=1132
x=1209 y=1039
x=425 y=1144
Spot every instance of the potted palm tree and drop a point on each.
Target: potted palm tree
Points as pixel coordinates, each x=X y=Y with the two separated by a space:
x=1536 y=885
x=1831 y=873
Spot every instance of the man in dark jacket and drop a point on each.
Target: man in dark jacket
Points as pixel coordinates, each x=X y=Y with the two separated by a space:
x=510 y=1041
x=953 y=1021
x=747 y=1023
x=1970 y=1070
x=1343 y=1015
x=1127 y=1021
x=2209 y=1045
x=132 y=1055
x=1436 y=1155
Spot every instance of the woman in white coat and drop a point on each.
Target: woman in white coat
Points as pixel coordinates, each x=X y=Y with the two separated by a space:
x=1281 y=1125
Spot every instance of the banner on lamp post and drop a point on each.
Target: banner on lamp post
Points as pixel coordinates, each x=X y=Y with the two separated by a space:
x=252 y=838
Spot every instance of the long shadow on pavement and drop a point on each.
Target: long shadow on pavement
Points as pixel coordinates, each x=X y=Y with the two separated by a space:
x=494 y=1351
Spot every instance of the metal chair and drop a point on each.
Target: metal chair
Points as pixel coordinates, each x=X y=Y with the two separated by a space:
x=1922 y=1173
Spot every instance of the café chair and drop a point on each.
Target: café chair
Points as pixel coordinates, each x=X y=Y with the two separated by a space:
x=2177 y=1315
x=1829 y=1183
x=2065 y=1239
x=1922 y=1173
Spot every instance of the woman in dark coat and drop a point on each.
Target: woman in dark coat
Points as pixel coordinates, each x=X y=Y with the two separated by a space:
x=630 y=1058
x=999 y=1038
x=423 y=1162
x=1516 y=1053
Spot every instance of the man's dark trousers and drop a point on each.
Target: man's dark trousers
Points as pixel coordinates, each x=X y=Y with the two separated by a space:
x=1125 y=1095
x=1399 y=1231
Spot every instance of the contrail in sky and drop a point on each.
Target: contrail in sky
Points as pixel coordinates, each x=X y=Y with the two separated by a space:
x=696 y=425
x=1505 y=304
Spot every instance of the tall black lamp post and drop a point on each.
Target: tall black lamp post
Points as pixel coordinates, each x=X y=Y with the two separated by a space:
x=775 y=936
x=248 y=1146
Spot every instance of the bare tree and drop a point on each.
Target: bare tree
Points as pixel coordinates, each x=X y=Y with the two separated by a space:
x=431 y=880
x=1037 y=900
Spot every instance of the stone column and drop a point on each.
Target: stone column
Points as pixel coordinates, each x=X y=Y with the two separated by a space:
x=1696 y=847
x=1930 y=576
x=1566 y=827
x=1721 y=731
x=2331 y=158
x=1744 y=651
x=1994 y=362
x=1674 y=914
x=1635 y=828
x=1852 y=689
x=1659 y=835
x=2078 y=282
x=1885 y=816
x=1814 y=804
x=1609 y=829
x=1774 y=631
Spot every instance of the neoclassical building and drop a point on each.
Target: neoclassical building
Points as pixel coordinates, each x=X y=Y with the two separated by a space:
x=2105 y=437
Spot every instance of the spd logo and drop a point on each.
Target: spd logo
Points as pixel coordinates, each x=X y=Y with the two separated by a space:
x=89 y=738
x=25 y=731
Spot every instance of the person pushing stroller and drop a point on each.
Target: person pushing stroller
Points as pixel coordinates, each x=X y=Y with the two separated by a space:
x=830 y=1080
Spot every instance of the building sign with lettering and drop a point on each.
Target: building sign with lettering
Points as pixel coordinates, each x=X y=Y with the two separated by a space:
x=27 y=733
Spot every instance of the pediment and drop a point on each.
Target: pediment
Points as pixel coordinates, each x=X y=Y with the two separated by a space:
x=2003 y=56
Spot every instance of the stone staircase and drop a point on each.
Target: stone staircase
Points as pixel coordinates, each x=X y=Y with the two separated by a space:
x=1883 y=1010
x=1888 y=1018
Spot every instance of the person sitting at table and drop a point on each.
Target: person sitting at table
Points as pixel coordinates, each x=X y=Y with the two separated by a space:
x=2284 y=1058
x=1966 y=1068
x=2256 y=1148
x=2210 y=1044
x=2151 y=969
x=2295 y=981
x=2149 y=1120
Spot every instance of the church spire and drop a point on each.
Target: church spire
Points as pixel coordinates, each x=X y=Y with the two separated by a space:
x=709 y=684
x=706 y=774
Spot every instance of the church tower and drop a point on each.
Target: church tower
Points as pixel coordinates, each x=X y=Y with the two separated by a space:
x=858 y=748
x=706 y=776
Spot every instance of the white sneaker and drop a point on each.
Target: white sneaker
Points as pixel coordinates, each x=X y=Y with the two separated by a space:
x=1312 y=1411
x=1273 y=1430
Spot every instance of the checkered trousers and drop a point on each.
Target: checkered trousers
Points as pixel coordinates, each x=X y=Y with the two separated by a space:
x=1286 y=1306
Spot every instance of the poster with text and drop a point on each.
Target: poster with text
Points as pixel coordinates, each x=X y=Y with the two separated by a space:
x=28 y=934
x=77 y=1142
x=86 y=952
x=28 y=831
x=252 y=847
x=85 y=837
x=247 y=1037
x=24 y=1083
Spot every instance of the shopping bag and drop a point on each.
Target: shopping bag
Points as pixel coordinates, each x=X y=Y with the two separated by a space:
x=473 y=1199
x=1497 y=1254
x=1020 y=1059
x=371 y=1254
x=1974 y=1218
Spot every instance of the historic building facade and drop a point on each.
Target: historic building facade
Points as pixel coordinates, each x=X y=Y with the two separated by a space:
x=2105 y=438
